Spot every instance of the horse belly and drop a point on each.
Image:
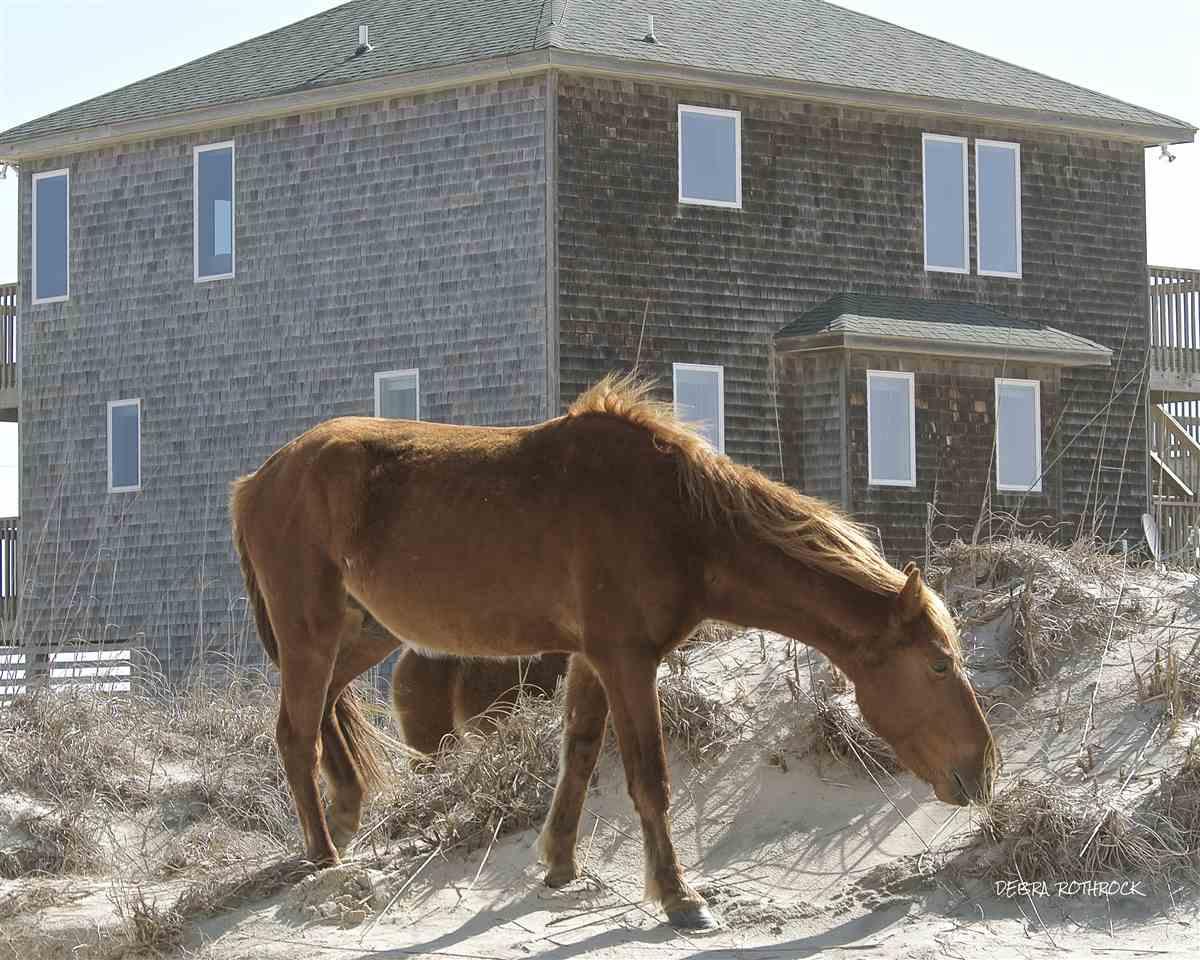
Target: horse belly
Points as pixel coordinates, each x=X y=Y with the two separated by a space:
x=442 y=601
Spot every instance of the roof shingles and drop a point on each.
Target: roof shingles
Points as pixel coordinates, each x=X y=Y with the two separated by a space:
x=799 y=40
x=964 y=327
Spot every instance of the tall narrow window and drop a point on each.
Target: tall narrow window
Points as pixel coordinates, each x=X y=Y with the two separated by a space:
x=124 y=446
x=945 y=189
x=398 y=395
x=700 y=400
x=1018 y=435
x=710 y=156
x=51 y=236
x=891 y=429
x=998 y=207
x=214 y=212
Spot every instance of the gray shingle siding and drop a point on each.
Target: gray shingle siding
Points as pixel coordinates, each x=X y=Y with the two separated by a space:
x=405 y=233
x=812 y=418
x=832 y=204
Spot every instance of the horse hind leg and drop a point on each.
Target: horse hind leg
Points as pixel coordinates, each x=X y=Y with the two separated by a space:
x=348 y=756
x=308 y=647
x=423 y=699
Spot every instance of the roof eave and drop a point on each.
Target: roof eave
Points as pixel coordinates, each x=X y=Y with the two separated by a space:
x=1146 y=134
x=536 y=61
x=1083 y=357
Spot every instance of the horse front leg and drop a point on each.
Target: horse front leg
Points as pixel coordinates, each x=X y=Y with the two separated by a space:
x=632 y=686
x=583 y=737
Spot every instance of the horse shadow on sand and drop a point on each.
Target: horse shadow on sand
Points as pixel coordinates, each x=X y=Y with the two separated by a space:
x=546 y=948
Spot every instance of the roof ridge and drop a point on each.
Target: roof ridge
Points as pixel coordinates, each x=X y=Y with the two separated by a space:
x=1008 y=63
x=901 y=298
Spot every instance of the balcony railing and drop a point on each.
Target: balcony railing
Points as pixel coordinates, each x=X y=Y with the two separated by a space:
x=1178 y=535
x=1174 y=330
x=8 y=568
x=8 y=321
x=1174 y=455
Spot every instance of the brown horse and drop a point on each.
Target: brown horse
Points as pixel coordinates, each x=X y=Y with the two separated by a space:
x=608 y=533
x=434 y=697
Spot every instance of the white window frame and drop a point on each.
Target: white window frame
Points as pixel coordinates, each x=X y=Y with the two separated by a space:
x=196 y=151
x=1016 y=148
x=385 y=375
x=33 y=295
x=737 y=163
x=124 y=403
x=703 y=368
x=873 y=480
x=966 y=208
x=1037 y=432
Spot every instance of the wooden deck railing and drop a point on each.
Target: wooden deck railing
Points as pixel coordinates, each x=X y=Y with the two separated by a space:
x=1178 y=534
x=1175 y=321
x=8 y=321
x=8 y=568
x=1174 y=456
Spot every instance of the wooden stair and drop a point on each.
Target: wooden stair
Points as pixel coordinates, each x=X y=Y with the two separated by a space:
x=1175 y=455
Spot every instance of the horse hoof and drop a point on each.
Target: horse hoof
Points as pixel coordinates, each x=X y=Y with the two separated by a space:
x=341 y=842
x=693 y=917
x=323 y=859
x=560 y=876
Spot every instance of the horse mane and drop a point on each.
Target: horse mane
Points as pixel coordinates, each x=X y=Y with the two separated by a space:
x=719 y=490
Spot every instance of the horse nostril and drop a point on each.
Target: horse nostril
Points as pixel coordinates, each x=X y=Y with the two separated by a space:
x=975 y=789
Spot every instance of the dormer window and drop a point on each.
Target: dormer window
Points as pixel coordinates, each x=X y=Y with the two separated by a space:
x=891 y=429
x=1018 y=436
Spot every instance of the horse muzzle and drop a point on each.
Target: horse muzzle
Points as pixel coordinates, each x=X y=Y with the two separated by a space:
x=967 y=786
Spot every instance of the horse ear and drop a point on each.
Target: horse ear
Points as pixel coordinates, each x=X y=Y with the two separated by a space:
x=912 y=598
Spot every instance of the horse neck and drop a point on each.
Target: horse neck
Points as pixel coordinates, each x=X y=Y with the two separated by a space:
x=757 y=585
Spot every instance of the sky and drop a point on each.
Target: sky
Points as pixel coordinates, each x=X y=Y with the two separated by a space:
x=1144 y=54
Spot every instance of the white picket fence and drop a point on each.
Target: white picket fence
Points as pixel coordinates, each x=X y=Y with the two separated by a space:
x=108 y=669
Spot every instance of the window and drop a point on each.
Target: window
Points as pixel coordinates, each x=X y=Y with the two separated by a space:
x=212 y=174
x=700 y=400
x=1018 y=436
x=998 y=208
x=710 y=156
x=398 y=395
x=891 y=429
x=51 y=236
x=945 y=189
x=124 y=446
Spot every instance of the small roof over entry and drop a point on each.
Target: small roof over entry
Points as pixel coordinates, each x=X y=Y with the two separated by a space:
x=852 y=321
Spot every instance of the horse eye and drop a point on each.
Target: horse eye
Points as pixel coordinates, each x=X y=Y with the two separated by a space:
x=941 y=666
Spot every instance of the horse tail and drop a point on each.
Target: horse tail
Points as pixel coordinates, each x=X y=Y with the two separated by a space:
x=266 y=633
x=363 y=741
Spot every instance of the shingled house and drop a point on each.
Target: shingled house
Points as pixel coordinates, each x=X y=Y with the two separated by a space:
x=857 y=254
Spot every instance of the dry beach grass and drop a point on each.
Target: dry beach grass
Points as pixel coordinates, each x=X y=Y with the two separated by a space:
x=174 y=797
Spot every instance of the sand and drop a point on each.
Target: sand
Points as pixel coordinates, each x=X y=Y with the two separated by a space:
x=799 y=854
